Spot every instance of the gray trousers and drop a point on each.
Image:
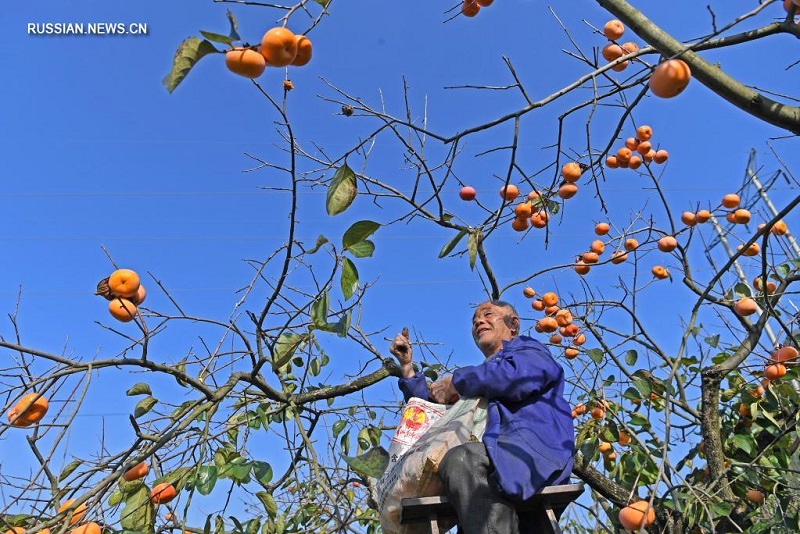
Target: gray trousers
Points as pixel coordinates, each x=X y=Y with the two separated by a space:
x=479 y=505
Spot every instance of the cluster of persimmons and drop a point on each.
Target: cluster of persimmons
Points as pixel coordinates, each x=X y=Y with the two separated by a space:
x=124 y=292
x=557 y=321
x=74 y=514
x=638 y=150
x=279 y=48
x=668 y=79
x=470 y=8
x=30 y=410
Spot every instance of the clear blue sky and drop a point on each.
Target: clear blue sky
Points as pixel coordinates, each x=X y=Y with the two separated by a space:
x=96 y=152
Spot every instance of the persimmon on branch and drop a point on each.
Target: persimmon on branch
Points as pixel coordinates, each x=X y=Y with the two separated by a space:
x=712 y=76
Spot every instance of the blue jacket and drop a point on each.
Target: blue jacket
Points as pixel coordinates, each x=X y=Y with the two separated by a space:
x=529 y=436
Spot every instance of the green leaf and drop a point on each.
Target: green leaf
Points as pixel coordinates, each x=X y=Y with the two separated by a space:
x=269 y=503
x=339 y=425
x=358 y=232
x=263 y=472
x=138 y=513
x=144 y=406
x=216 y=37
x=745 y=442
x=341 y=326
x=638 y=419
x=742 y=290
x=349 y=279
x=206 y=479
x=189 y=52
x=139 y=389
x=313 y=367
x=68 y=470
x=372 y=463
x=115 y=498
x=234 y=26
x=363 y=249
x=363 y=438
x=472 y=248
x=319 y=310
x=596 y=355
x=237 y=469
x=450 y=245
x=323 y=3
x=713 y=341
x=285 y=347
x=721 y=509
x=631 y=356
x=342 y=190
x=321 y=240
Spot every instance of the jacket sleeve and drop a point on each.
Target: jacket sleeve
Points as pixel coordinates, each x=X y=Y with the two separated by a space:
x=511 y=374
x=416 y=386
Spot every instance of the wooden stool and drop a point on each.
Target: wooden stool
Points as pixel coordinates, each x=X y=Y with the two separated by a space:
x=548 y=504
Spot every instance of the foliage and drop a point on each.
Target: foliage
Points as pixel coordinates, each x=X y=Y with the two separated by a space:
x=259 y=423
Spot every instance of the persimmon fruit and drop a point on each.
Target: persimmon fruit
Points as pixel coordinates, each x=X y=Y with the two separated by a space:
x=548 y=324
x=613 y=29
x=509 y=192
x=660 y=272
x=88 y=528
x=619 y=257
x=631 y=243
x=304 y=51
x=122 y=310
x=785 y=354
x=124 y=283
x=550 y=298
x=467 y=193
x=755 y=496
x=745 y=306
x=567 y=190
x=703 y=216
x=245 y=62
x=162 y=493
x=612 y=51
x=571 y=172
x=529 y=292
x=470 y=8
x=637 y=515
x=30 y=409
x=77 y=513
x=741 y=216
x=523 y=210
x=598 y=412
x=279 y=46
x=731 y=200
x=597 y=246
x=661 y=156
x=644 y=133
x=602 y=228
x=779 y=228
x=539 y=219
x=774 y=372
x=519 y=224
x=670 y=78
x=667 y=243
x=136 y=472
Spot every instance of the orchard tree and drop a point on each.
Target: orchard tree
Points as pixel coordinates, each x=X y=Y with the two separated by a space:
x=255 y=424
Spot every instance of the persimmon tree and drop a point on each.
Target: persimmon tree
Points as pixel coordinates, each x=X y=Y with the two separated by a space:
x=255 y=430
